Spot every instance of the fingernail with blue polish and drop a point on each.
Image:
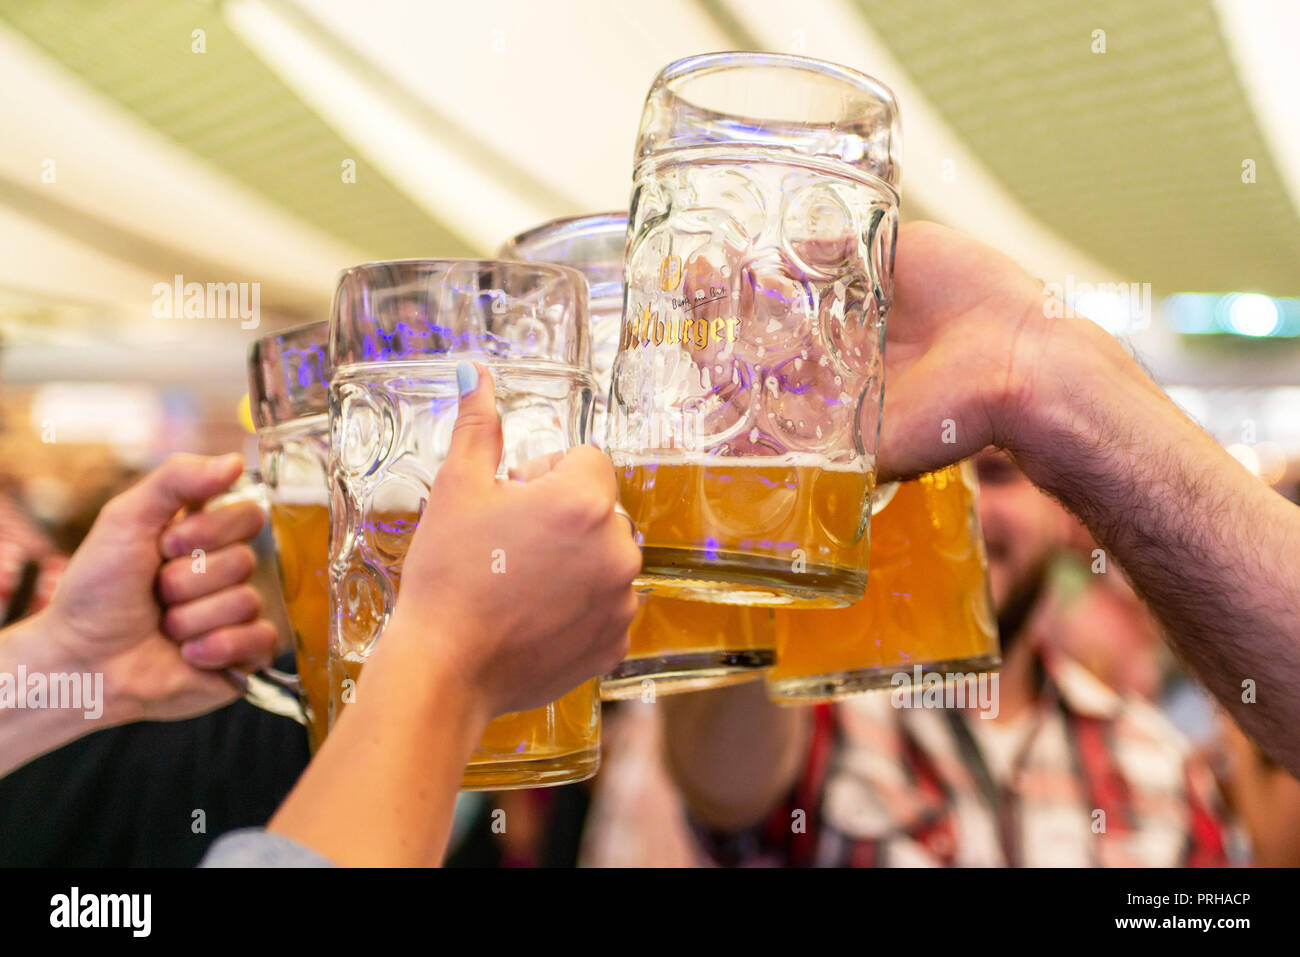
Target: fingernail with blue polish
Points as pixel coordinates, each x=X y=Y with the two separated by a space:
x=466 y=377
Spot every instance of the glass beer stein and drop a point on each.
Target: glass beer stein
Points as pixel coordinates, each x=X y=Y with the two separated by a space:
x=746 y=395
x=927 y=603
x=676 y=645
x=593 y=245
x=288 y=377
x=398 y=330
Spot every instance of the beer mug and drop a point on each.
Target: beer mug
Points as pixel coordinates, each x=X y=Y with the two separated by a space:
x=398 y=330
x=675 y=645
x=746 y=395
x=593 y=245
x=927 y=607
x=288 y=377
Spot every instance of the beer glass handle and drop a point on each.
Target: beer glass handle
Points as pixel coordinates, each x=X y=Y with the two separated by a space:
x=269 y=689
x=272 y=690
x=636 y=535
x=882 y=496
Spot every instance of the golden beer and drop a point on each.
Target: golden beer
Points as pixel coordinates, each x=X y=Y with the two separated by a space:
x=555 y=744
x=750 y=530
x=681 y=646
x=675 y=645
x=301 y=532
x=288 y=373
x=927 y=601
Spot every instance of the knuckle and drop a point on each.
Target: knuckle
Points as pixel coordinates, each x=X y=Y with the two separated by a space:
x=626 y=612
x=258 y=641
x=243 y=561
x=267 y=636
x=582 y=506
x=219 y=644
x=171 y=585
x=631 y=605
x=584 y=456
x=627 y=563
x=248 y=518
x=115 y=508
x=173 y=622
x=594 y=461
x=194 y=531
x=470 y=421
x=240 y=524
x=248 y=600
x=176 y=465
x=449 y=484
x=618 y=647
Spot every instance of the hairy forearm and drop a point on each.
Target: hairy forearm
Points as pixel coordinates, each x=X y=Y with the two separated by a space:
x=382 y=789
x=1213 y=551
x=733 y=753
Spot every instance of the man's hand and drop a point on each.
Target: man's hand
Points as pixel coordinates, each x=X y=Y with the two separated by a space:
x=158 y=602
x=972 y=357
x=965 y=349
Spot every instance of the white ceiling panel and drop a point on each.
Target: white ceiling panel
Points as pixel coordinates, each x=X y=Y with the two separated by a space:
x=114 y=168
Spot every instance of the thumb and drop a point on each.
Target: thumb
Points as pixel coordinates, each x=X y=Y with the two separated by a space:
x=476 y=440
x=181 y=480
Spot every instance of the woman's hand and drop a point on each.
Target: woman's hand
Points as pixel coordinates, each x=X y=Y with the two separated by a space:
x=513 y=593
x=528 y=581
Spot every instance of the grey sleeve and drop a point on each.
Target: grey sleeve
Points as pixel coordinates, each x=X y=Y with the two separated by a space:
x=254 y=847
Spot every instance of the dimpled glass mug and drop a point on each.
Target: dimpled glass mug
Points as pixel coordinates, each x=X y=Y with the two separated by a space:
x=593 y=245
x=398 y=329
x=746 y=395
x=676 y=645
x=288 y=376
x=927 y=607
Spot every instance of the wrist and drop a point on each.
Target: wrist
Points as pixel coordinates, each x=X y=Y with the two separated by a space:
x=1076 y=389
x=61 y=649
x=49 y=698
x=38 y=643
x=394 y=761
x=411 y=665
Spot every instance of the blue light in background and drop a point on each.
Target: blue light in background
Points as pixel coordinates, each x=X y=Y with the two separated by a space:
x=1245 y=314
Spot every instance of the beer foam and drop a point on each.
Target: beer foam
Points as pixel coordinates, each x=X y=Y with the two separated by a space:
x=301 y=495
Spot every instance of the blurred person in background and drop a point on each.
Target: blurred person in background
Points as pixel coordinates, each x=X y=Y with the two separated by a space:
x=1264 y=797
x=1091 y=613
x=1065 y=771
x=30 y=563
x=30 y=559
x=1099 y=620
x=637 y=816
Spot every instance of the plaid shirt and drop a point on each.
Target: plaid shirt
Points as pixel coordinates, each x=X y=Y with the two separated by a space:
x=1089 y=779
